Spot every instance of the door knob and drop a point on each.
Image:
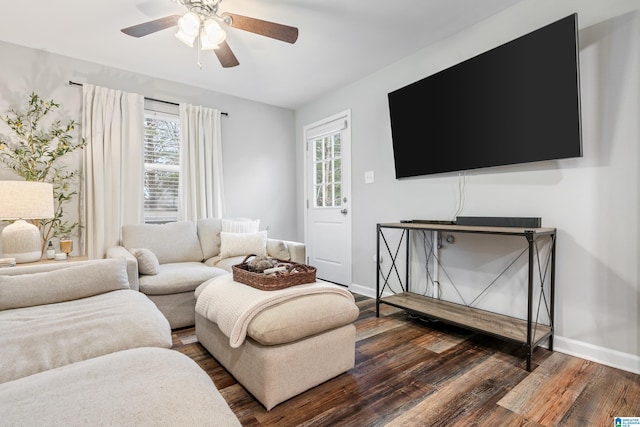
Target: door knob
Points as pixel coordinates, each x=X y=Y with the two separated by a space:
x=344 y=211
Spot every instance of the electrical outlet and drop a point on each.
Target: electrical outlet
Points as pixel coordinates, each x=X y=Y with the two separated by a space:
x=368 y=177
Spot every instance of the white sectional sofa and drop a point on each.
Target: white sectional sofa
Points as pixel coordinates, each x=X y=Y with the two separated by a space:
x=167 y=262
x=51 y=319
x=78 y=347
x=138 y=387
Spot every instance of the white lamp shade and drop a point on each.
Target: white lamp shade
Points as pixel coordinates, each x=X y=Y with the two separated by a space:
x=188 y=27
x=212 y=35
x=26 y=200
x=22 y=200
x=189 y=24
x=205 y=43
x=184 y=38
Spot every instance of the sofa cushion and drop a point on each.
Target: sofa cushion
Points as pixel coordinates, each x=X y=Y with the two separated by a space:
x=301 y=317
x=278 y=249
x=147 y=262
x=209 y=235
x=209 y=232
x=236 y=244
x=225 y=263
x=170 y=242
x=66 y=284
x=178 y=277
x=138 y=387
x=243 y=225
x=43 y=337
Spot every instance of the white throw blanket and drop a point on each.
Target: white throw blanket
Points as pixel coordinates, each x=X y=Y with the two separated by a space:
x=232 y=305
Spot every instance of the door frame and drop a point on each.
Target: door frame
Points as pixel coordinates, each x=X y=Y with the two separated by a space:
x=346 y=148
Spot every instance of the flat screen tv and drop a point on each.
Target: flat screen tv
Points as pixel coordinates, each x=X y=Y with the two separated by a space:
x=516 y=103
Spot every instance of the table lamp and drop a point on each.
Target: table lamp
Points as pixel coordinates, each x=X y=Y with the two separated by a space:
x=20 y=200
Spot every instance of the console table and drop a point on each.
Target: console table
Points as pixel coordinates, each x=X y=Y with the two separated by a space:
x=527 y=332
x=49 y=261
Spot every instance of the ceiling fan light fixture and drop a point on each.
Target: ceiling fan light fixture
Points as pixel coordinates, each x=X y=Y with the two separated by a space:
x=188 y=27
x=189 y=24
x=202 y=21
x=185 y=38
x=206 y=43
x=212 y=35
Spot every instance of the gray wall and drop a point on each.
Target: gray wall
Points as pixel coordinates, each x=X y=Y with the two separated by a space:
x=592 y=201
x=258 y=159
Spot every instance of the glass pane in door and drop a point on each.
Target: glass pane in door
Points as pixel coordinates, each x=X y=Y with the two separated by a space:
x=327 y=171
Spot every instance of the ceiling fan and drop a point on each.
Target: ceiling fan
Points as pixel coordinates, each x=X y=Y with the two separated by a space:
x=202 y=22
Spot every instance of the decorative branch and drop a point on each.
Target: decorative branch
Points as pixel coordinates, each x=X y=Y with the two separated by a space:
x=33 y=153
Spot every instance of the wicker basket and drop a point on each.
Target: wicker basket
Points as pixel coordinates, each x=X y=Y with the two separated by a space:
x=294 y=274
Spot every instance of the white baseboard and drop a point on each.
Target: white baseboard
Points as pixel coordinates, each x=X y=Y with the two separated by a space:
x=605 y=356
x=616 y=359
x=362 y=290
x=366 y=291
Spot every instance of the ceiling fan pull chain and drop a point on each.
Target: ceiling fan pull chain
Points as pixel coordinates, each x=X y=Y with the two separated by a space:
x=199 y=50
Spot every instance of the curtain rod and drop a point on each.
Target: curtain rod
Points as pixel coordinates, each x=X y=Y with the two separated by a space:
x=72 y=83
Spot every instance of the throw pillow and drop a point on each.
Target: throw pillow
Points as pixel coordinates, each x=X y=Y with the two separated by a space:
x=278 y=249
x=236 y=244
x=86 y=279
x=240 y=226
x=147 y=261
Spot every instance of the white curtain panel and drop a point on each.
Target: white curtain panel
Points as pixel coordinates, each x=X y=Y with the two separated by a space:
x=113 y=180
x=201 y=188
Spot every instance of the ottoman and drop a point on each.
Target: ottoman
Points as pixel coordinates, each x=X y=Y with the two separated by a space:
x=289 y=347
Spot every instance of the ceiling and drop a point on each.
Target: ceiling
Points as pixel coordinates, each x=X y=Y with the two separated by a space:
x=340 y=41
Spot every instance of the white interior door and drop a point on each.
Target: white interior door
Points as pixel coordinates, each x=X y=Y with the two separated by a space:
x=328 y=194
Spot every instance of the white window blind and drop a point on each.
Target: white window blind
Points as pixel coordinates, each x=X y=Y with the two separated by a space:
x=161 y=167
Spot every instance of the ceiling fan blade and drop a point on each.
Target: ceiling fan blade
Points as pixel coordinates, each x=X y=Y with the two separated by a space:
x=264 y=28
x=150 y=27
x=225 y=55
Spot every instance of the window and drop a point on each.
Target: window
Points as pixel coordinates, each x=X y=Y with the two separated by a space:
x=161 y=166
x=327 y=162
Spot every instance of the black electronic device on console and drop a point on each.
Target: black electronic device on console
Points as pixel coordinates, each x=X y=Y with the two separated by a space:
x=500 y=221
x=427 y=221
x=432 y=221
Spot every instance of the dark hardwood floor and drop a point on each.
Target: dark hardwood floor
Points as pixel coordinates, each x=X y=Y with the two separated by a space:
x=410 y=372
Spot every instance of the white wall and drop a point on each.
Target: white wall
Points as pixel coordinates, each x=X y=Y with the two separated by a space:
x=592 y=201
x=258 y=139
